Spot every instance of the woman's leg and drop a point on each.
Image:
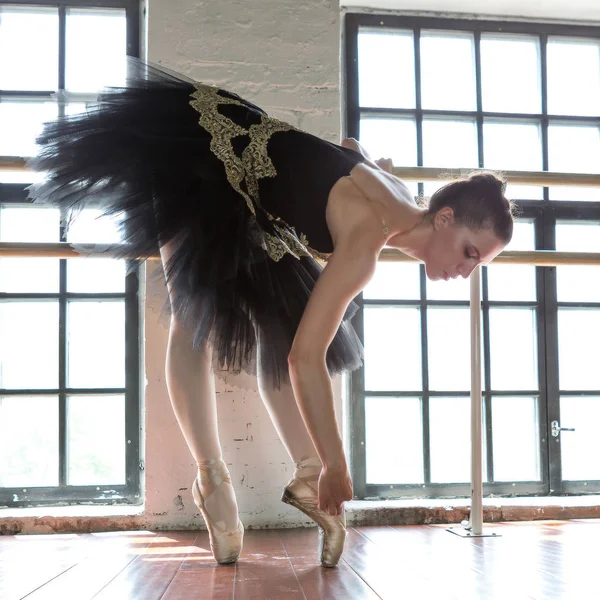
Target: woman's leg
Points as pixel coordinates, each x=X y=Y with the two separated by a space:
x=287 y=420
x=190 y=382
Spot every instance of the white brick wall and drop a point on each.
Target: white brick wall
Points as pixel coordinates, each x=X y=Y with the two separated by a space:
x=284 y=56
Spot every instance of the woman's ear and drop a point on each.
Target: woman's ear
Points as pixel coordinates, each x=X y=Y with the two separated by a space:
x=443 y=218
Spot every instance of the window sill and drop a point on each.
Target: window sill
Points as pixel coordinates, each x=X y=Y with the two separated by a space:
x=71 y=511
x=420 y=511
x=563 y=501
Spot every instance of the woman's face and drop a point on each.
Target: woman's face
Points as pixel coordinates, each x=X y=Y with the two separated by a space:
x=455 y=250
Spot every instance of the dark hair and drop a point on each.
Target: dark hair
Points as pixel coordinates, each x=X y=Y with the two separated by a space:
x=478 y=203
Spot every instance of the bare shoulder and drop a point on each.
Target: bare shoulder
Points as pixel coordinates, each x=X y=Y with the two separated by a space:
x=357 y=204
x=378 y=182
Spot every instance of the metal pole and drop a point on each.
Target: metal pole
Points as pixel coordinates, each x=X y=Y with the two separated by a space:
x=476 y=519
x=474 y=526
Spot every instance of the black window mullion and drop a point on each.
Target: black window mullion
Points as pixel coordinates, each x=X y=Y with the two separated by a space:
x=540 y=277
x=550 y=328
x=544 y=118
x=351 y=81
x=63 y=457
x=479 y=117
x=551 y=335
x=418 y=104
x=356 y=380
x=425 y=402
x=357 y=416
x=133 y=351
x=62 y=46
x=62 y=371
x=132 y=16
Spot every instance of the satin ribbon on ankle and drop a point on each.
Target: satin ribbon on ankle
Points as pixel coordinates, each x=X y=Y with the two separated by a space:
x=215 y=471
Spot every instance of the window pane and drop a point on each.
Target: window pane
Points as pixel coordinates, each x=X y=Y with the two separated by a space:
x=578 y=283
x=453 y=289
x=580 y=449
x=514 y=146
x=578 y=335
x=391 y=138
x=23 y=177
x=29 y=36
x=390 y=365
x=394 y=281
x=449 y=143
x=28 y=224
x=96 y=426
x=573 y=91
x=28 y=441
x=393 y=458
x=514 y=282
x=21 y=121
x=448 y=340
x=448 y=71
x=513 y=349
x=516 y=434
x=574 y=149
x=96 y=344
x=28 y=345
x=94 y=274
x=386 y=69
x=96 y=48
x=510 y=73
x=450 y=435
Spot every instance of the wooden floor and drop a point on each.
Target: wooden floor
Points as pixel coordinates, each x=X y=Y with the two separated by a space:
x=542 y=560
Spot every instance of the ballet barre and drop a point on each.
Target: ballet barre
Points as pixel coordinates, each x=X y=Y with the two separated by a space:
x=538 y=178
x=535 y=258
x=427 y=174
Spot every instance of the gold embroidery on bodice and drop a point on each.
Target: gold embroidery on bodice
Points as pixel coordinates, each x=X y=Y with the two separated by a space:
x=244 y=173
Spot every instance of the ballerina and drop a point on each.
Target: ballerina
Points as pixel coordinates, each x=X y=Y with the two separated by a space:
x=244 y=209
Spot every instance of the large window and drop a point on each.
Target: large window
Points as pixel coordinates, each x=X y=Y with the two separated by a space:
x=467 y=93
x=69 y=329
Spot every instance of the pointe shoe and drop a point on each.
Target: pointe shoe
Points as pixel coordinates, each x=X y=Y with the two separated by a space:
x=226 y=546
x=332 y=530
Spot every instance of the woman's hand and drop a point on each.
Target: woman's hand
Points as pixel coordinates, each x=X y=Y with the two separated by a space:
x=385 y=164
x=335 y=487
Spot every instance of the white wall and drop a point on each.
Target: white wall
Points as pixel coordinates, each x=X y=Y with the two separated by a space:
x=284 y=56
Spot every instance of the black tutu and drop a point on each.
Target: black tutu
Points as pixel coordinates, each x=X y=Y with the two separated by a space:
x=239 y=271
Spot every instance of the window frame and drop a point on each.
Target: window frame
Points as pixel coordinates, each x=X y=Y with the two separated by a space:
x=15 y=194
x=544 y=213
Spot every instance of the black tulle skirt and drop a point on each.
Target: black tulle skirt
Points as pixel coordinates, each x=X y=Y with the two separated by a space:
x=139 y=154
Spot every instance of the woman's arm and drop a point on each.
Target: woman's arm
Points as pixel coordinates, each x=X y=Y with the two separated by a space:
x=347 y=272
